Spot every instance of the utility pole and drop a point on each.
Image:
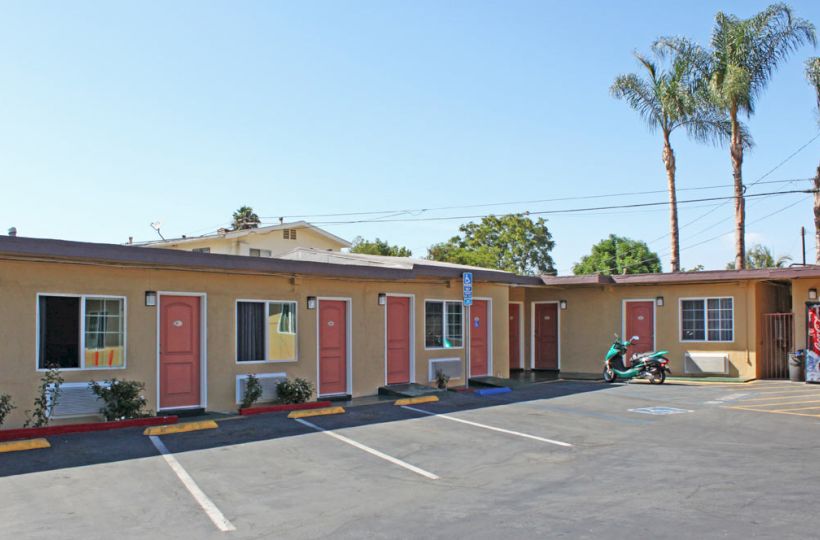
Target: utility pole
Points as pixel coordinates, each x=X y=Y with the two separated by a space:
x=803 y=239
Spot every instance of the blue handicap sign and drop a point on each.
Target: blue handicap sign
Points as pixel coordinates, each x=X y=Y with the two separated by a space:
x=467 y=279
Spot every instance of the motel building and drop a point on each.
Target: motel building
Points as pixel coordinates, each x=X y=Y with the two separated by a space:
x=193 y=325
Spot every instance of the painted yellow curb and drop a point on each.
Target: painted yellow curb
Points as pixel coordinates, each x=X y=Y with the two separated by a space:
x=316 y=412
x=17 y=446
x=416 y=400
x=180 y=428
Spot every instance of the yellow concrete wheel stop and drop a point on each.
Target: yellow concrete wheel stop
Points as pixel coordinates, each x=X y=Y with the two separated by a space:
x=416 y=400
x=19 y=446
x=316 y=412
x=180 y=428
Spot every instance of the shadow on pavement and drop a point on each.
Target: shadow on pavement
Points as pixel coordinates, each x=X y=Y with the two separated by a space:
x=83 y=449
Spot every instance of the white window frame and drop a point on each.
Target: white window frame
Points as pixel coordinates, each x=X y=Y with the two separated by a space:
x=705 y=300
x=82 y=298
x=267 y=336
x=444 y=333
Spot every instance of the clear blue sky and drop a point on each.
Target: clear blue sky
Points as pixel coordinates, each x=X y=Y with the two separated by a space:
x=117 y=114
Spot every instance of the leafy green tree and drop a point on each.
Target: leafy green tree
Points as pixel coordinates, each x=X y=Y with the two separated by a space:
x=668 y=97
x=759 y=256
x=513 y=242
x=245 y=218
x=618 y=255
x=378 y=247
x=744 y=55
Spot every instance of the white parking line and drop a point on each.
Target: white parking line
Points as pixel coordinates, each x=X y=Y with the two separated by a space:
x=369 y=450
x=485 y=426
x=199 y=496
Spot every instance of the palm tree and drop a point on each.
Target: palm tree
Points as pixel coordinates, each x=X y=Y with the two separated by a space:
x=745 y=54
x=245 y=218
x=813 y=75
x=760 y=256
x=668 y=98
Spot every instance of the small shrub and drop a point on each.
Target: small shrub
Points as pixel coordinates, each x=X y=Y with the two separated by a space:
x=122 y=399
x=47 y=397
x=6 y=406
x=294 y=391
x=441 y=379
x=253 y=391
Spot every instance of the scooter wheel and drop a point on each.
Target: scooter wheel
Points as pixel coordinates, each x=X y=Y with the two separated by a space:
x=660 y=377
x=609 y=375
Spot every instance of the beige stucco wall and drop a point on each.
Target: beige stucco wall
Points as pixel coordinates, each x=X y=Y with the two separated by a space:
x=800 y=295
x=20 y=282
x=593 y=314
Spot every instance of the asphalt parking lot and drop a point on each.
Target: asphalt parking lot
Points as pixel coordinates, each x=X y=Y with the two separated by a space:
x=562 y=459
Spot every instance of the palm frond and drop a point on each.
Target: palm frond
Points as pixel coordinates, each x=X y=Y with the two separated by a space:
x=641 y=96
x=813 y=76
x=746 y=52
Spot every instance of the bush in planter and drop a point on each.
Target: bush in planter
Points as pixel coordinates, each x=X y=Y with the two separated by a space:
x=48 y=394
x=6 y=406
x=294 y=391
x=122 y=399
x=441 y=379
x=253 y=391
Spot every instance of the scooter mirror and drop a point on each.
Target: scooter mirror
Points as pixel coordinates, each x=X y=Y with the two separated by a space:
x=634 y=338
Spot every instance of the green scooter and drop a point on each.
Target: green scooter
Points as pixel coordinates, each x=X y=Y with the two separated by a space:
x=651 y=366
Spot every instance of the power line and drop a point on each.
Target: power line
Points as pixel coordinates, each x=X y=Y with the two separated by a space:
x=664 y=254
x=561 y=211
x=756 y=182
x=514 y=203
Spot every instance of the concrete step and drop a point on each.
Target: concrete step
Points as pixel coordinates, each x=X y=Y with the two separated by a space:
x=408 y=390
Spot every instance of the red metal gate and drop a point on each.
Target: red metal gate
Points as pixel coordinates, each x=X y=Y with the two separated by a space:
x=778 y=342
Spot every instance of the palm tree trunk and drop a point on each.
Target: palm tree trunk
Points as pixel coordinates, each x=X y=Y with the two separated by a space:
x=736 y=152
x=669 y=161
x=817 y=216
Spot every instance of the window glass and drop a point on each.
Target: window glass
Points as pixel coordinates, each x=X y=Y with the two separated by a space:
x=104 y=332
x=250 y=331
x=59 y=332
x=281 y=330
x=455 y=316
x=443 y=324
x=433 y=324
x=67 y=341
x=708 y=319
x=692 y=320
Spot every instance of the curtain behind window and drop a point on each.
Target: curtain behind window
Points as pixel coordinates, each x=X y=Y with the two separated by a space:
x=250 y=331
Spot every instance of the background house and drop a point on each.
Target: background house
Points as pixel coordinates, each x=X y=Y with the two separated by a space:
x=269 y=241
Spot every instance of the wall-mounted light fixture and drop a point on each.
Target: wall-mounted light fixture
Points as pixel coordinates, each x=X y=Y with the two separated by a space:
x=311 y=302
x=150 y=298
x=382 y=298
x=812 y=294
x=562 y=304
x=659 y=301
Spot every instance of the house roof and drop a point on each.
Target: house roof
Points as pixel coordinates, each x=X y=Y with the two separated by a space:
x=70 y=251
x=375 y=261
x=707 y=276
x=239 y=233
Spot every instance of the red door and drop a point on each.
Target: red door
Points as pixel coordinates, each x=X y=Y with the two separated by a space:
x=179 y=358
x=515 y=336
x=332 y=347
x=640 y=321
x=479 y=323
x=546 y=336
x=398 y=340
